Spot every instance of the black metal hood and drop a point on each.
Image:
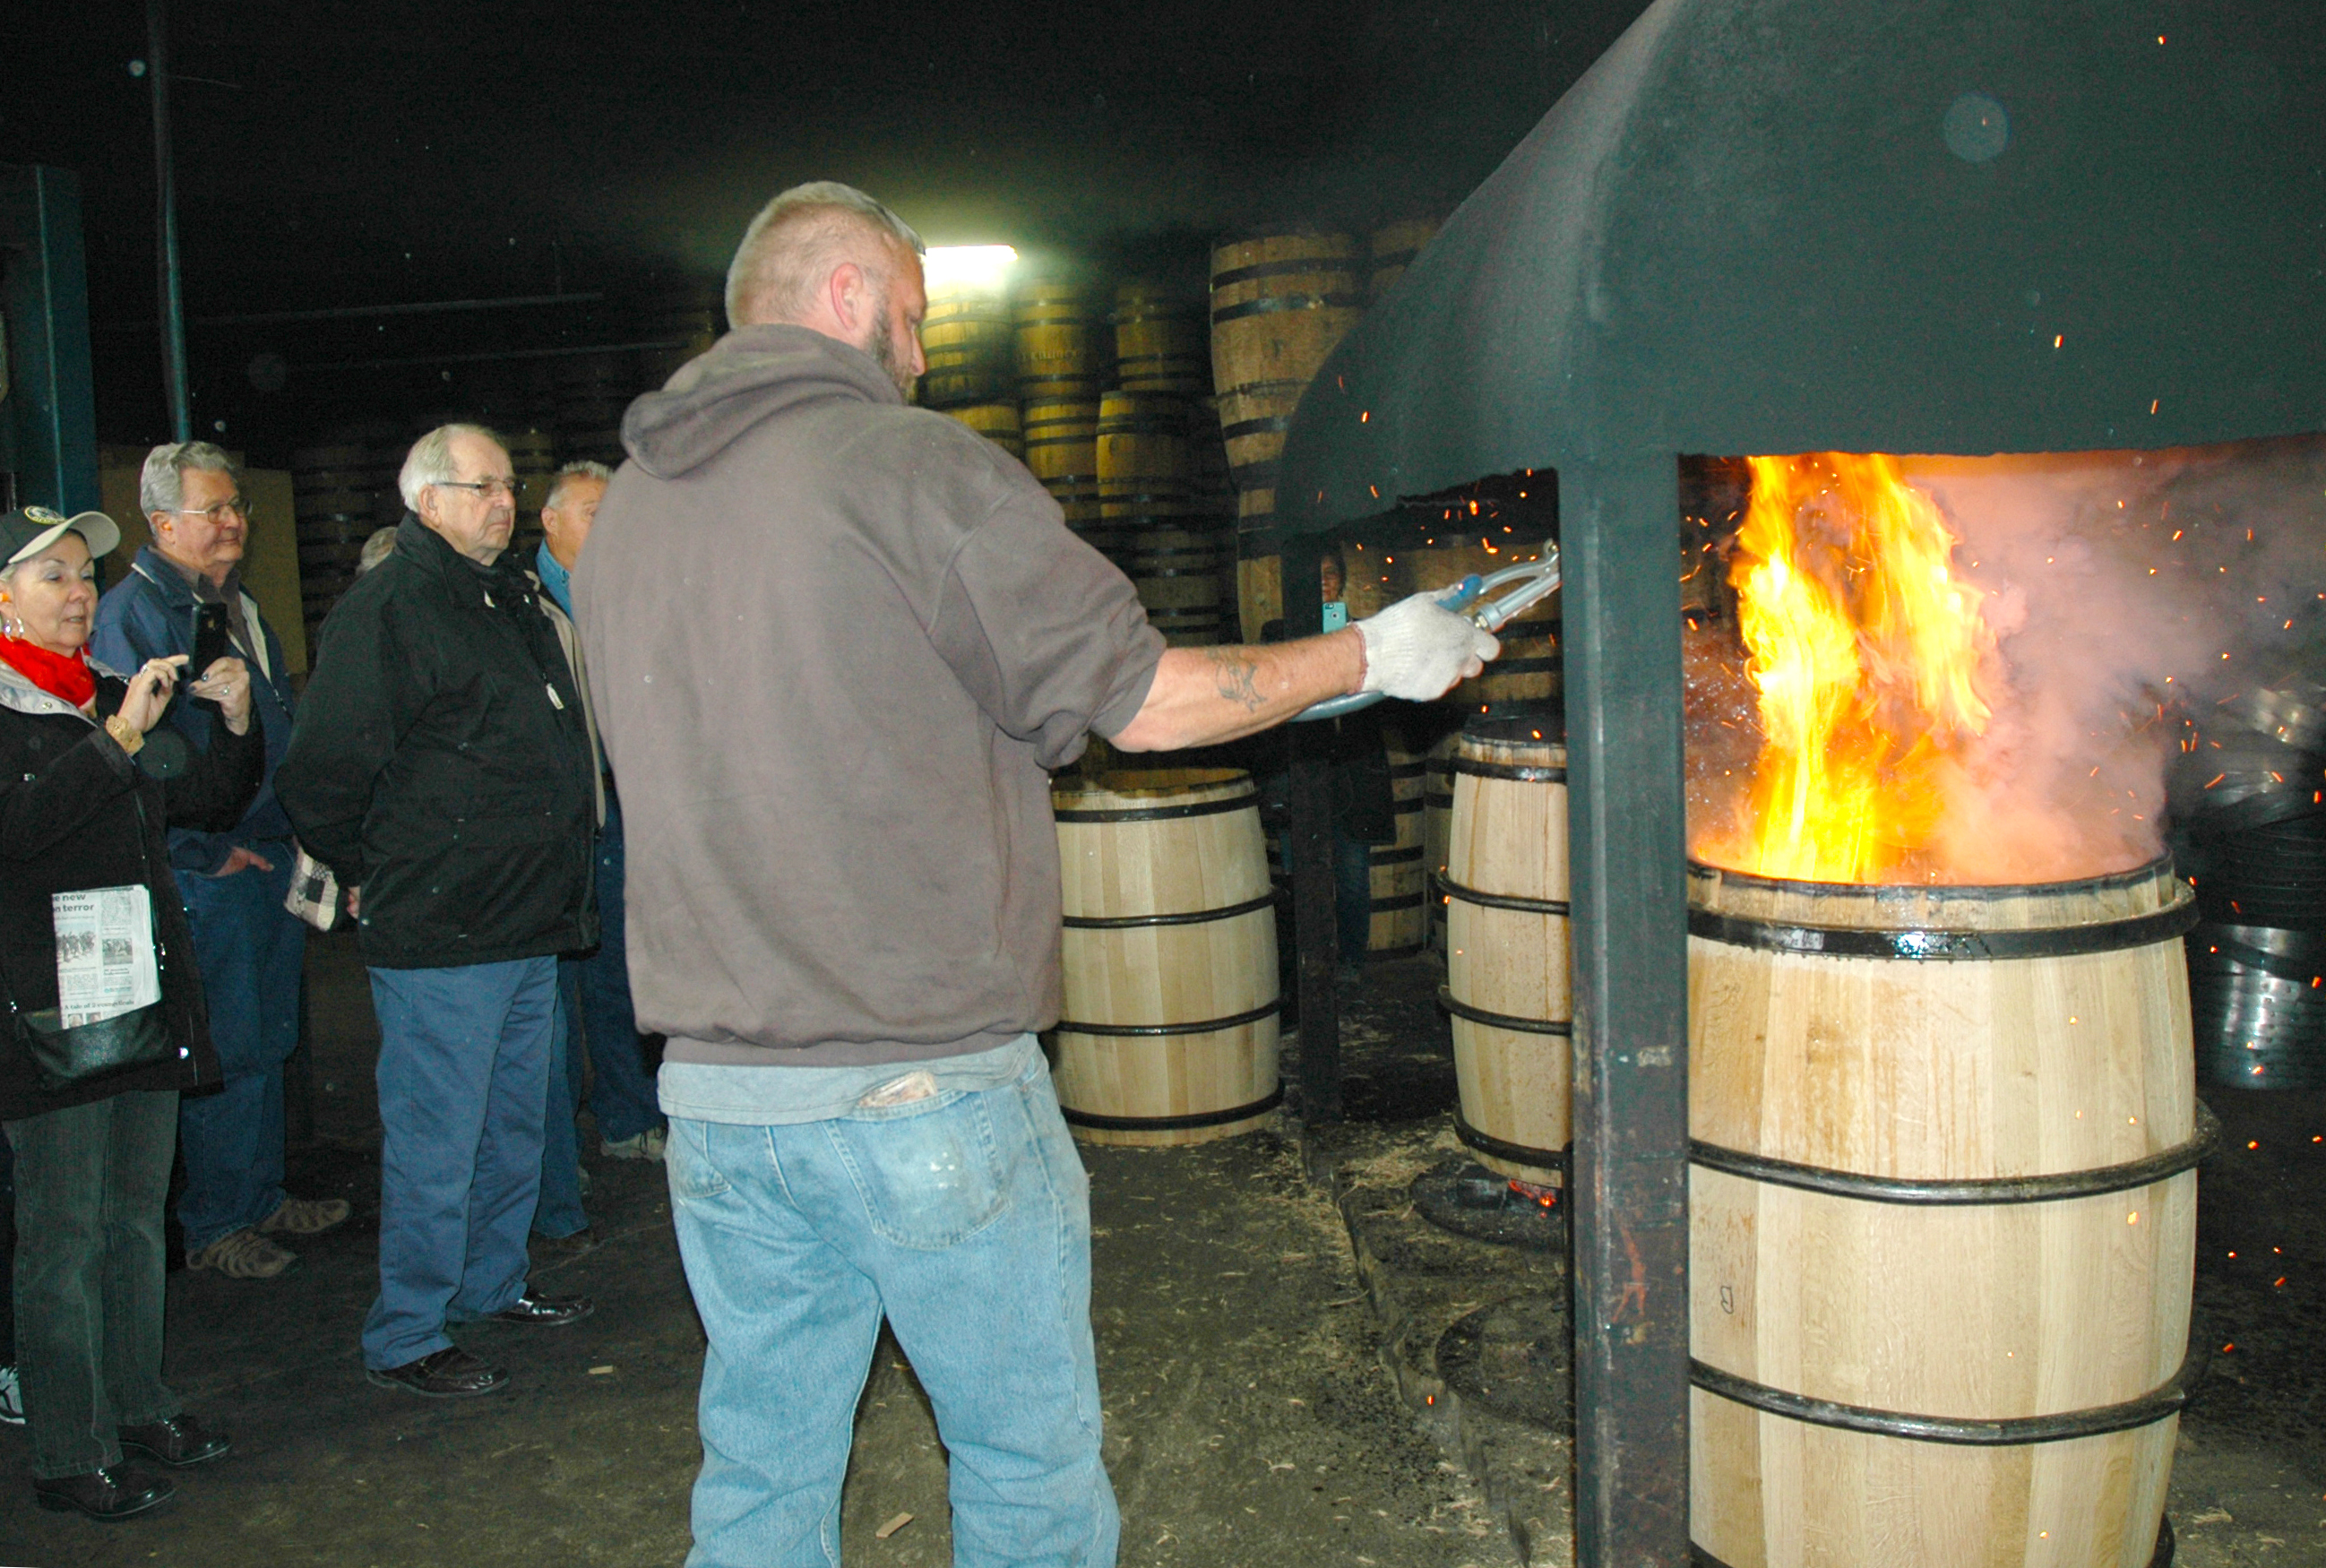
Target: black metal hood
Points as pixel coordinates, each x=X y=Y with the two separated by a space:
x=1773 y=225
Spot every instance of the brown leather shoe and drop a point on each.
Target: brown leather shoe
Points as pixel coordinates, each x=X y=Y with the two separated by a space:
x=305 y=1216
x=179 y=1442
x=110 y=1494
x=448 y=1374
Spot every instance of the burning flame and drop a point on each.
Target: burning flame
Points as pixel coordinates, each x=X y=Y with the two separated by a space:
x=1864 y=652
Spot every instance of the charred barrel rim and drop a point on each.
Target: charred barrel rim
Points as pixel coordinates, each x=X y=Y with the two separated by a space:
x=2161 y=925
x=1484 y=900
x=1563 y=1027
x=2166 y=1399
x=1159 y=1031
x=1965 y=893
x=1504 y=1149
x=1274 y=1097
x=1698 y=1557
x=1974 y=1191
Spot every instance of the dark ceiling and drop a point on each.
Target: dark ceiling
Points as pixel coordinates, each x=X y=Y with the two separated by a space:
x=336 y=156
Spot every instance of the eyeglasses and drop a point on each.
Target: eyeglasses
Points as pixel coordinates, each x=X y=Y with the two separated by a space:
x=487 y=488
x=214 y=516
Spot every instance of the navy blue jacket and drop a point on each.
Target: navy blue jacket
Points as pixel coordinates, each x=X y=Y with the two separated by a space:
x=149 y=613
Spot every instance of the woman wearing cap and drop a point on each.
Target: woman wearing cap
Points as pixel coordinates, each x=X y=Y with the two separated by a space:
x=101 y=1016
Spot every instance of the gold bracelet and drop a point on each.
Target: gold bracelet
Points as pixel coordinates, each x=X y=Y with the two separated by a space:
x=125 y=735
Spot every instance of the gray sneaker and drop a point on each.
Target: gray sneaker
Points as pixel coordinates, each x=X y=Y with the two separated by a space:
x=646 y=1145
x=12 y=1397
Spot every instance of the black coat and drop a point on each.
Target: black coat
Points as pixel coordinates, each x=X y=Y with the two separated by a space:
x=441 y=763
x=76 y=812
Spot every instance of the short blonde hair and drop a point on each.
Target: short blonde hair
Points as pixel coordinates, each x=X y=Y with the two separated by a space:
x=798 y=240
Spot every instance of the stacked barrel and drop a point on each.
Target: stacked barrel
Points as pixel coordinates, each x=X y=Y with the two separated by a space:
x=2249 y=794
x=1106 y=413
x=342 y=488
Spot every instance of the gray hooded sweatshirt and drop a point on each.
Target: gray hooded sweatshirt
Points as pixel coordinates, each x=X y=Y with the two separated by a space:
x=833 y=643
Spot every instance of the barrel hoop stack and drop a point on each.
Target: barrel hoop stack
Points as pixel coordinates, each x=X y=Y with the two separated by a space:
x=1171 y=1006
x=1942 y=1218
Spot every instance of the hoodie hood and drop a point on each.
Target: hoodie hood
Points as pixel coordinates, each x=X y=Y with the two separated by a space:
x=750 y=375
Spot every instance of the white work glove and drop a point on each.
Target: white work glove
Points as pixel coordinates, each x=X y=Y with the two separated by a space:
x=1417 y=648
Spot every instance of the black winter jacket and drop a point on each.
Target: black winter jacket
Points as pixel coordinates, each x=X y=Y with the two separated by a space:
x=439 y=764
x=76 y=812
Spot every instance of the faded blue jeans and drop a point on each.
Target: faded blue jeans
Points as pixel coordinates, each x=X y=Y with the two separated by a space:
x=965 y=1218
x=463 y=1092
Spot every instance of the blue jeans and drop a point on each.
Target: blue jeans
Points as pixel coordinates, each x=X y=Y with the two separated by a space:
x=463 y=1087
x=251 y=950
x=965 y=1218
x=623 y=1096
x=561 y=1212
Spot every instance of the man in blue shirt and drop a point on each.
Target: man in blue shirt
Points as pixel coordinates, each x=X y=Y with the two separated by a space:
x=597 y=985
x=249 y=948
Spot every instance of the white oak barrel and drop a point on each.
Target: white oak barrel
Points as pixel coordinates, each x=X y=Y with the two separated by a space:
x=1507 y=974
x=1942 y=1219
x=1169 y=1029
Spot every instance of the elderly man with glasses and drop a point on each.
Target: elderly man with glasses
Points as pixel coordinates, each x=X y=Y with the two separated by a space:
x=440 y=766
x=249 y=947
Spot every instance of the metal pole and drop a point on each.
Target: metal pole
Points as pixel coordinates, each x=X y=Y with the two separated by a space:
x=1621 y=552
x=1315 y=925
x=165 y=210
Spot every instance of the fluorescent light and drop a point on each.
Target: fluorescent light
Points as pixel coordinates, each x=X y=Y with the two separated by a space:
x=967 y=266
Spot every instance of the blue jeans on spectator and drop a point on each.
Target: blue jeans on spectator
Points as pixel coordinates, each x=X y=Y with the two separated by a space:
x=623 y=1096
x=965 y=1218
x=463 y=1089
x=561 y=1213
x=251 y=950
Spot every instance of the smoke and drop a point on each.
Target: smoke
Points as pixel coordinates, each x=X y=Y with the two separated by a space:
x=2128 y=592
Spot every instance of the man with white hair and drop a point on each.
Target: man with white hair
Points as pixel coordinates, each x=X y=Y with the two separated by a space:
x=250 y=948
x=835 y=642
x=440 y=765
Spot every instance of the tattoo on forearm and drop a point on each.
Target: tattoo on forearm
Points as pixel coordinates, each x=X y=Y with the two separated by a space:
x=1238 y=674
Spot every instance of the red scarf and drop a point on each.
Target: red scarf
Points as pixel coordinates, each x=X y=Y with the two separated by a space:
x=65 y=675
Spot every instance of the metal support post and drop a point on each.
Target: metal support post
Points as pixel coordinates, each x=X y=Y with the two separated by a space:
x=1627 y=840
x=1315 y=926
x=165 y=225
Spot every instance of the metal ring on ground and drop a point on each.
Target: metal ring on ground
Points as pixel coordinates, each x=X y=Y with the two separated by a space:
x=1969 y=1190
x=2161 y=925
x=1203 y=1026
x=1504 y=1149
x=2164 y=1400
x=1097 y=1123
x=1510 y=1021
x=1483 y=900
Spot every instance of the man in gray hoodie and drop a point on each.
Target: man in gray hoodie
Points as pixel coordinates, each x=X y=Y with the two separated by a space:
x=835 y=642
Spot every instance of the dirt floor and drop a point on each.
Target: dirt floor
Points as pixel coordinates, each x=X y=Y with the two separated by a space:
x=1276 y=1326
x=1251 y=1417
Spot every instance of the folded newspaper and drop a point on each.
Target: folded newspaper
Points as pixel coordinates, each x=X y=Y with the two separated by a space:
x=106 y=963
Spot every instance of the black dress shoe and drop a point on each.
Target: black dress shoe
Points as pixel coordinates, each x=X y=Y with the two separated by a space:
x=448 y=1374
x=176 y=1443
x=104 y=1494
x=548 y=1312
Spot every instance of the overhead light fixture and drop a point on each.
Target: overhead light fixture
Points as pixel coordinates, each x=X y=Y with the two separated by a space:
x=967 y=266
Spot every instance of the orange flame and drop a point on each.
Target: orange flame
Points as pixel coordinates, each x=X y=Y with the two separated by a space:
x=1866 y=655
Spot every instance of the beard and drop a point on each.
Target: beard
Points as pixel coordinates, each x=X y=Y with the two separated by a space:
x=882 y=345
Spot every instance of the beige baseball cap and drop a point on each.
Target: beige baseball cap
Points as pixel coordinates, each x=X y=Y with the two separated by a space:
x=26 y=533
